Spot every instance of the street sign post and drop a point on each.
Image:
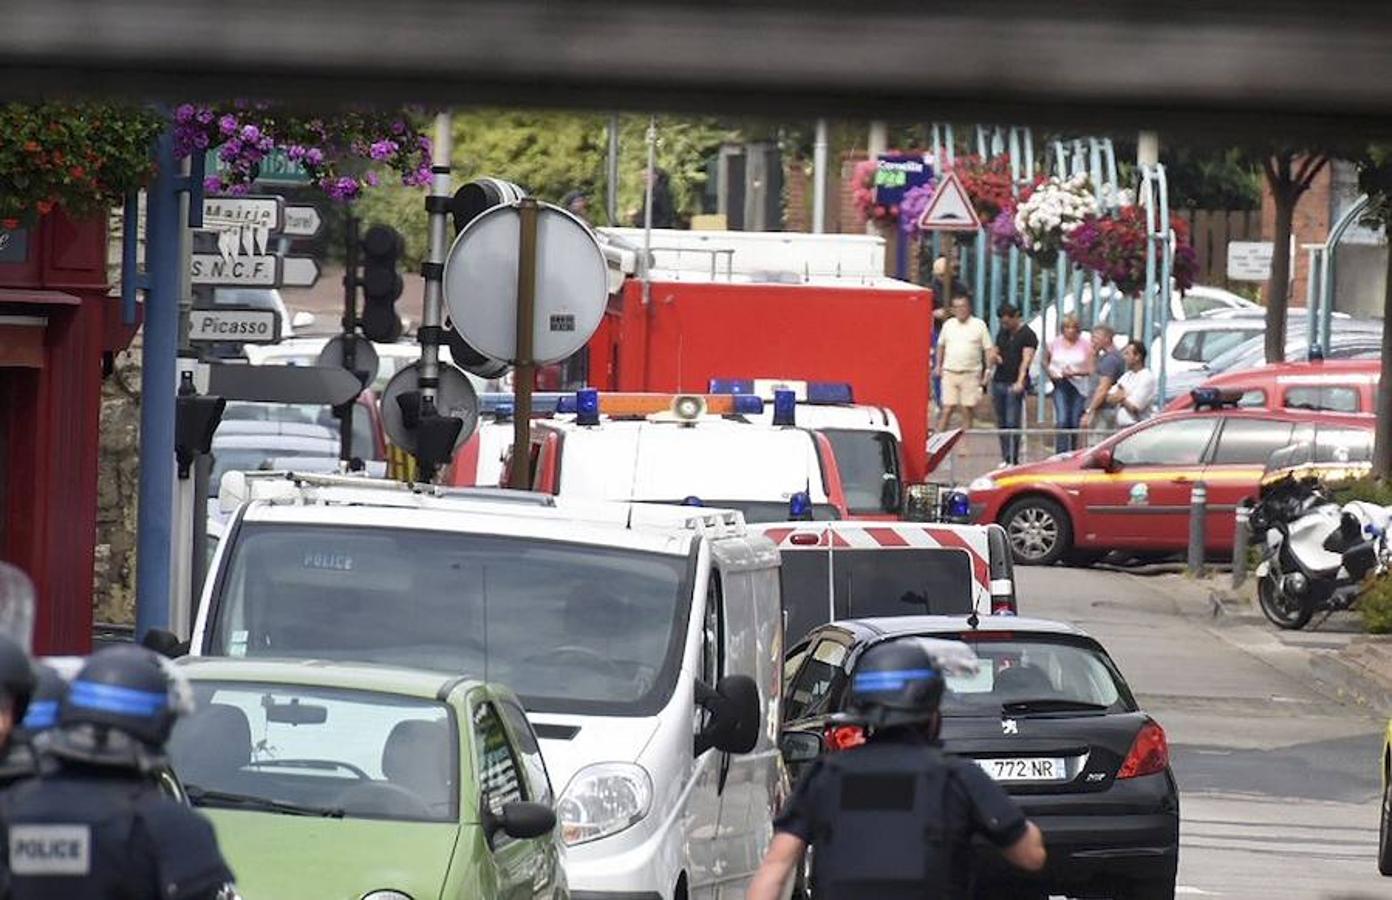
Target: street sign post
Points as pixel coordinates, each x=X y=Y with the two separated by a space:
x=244 y=325
x=236 y=271
x=302 y=222
x=949 y=210
x=299 y=271
x=324 y=385
x=253 y=211
x=1249 y=260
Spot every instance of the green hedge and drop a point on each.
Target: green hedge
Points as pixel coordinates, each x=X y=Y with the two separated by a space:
x=1373 y=490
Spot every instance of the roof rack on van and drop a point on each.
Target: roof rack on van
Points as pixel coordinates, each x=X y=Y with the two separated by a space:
x=304 y=487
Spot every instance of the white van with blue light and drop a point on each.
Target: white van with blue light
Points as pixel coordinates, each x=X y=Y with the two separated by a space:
x=644 y=641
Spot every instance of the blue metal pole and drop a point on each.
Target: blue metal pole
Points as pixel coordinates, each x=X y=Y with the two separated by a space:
x=1166 y=267
x=1312 y=283
x=160 y=347
x=1331 y=244
x=1029 y=261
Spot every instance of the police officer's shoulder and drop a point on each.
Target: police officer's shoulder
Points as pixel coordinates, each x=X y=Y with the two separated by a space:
x=190 y=863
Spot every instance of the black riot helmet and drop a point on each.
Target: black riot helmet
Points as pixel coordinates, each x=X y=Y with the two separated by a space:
x=119 y=709
x=43 y=708
x=16 y=676
x=896 y=683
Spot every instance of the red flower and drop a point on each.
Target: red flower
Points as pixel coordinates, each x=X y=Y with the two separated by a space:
x=44 y=207
x=32 y=146
x=9 y=224
x=77 y=172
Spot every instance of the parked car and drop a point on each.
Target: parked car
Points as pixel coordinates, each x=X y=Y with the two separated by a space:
x=1132 y=491
x=1192 y=342
x=1049 y=715
x=1352 y=339
x=369 y=435
x=1321 y=452
x=1385 y=819
x=391 y=358
x=249 y=446
x=335 y=780
x=1331 y=385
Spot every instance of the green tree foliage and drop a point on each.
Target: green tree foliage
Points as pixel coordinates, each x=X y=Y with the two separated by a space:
x=553 y=153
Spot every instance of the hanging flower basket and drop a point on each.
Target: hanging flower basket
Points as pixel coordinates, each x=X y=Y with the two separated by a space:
x=337 y=151
x=81 y=156
x=1052 y=212
x=1115 y=249
x=987 y=183
x=863 y=193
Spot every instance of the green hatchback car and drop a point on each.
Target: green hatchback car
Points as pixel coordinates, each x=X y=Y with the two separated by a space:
x=363 y=782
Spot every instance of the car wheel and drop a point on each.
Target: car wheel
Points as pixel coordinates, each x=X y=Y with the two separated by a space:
x=1038 y=530
x=1385 y=830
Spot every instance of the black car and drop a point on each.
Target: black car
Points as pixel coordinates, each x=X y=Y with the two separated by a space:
x=1047 y=714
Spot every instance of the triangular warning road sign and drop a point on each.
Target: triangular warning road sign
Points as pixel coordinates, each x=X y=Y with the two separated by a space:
x=950 y=209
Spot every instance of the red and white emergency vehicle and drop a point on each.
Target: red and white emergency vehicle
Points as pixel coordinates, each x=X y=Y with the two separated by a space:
x=731 y=305
x=851 y=570
x=692 y=449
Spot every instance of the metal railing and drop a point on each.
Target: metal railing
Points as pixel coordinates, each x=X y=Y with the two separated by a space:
x=979 y=451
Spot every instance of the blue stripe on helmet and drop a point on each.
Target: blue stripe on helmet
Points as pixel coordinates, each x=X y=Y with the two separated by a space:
x=121 y=701
x=890 y=679
x=41 y=715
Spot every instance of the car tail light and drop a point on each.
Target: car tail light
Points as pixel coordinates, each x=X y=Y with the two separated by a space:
x=844 y=737
x=1150 y=753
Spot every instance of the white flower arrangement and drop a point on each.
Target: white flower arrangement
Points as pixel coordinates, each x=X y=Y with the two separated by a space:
x=1052 y=212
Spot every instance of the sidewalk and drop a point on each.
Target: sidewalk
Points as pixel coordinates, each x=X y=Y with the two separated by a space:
x=1348 y=664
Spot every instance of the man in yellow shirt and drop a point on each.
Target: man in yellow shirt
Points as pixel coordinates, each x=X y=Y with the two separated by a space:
x=963 y=348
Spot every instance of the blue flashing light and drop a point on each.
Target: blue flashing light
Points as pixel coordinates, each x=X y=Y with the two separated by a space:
x=784 y=408
x=829 y=392
x=567 y=405
x=693 y=500
x=800 y=507
x=587 y=407
x=732 y=386
x=958 y=505
x=746 y=405
x=504 y=405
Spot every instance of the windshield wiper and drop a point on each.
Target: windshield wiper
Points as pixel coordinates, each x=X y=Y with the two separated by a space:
x=1051 y=705
x=201 y=796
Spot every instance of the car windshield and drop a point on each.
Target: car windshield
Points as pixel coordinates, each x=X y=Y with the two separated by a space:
x=318 y=751
x=246 y=459
x=888 y=582
x=364 y=439
x=867 y=461
x=569 y=627
x=1025 y=673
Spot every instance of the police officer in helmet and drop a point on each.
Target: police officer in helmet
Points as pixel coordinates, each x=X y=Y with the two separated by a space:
x=894 y=819
x=22 y=756
x=17 y=683
x=95 y=825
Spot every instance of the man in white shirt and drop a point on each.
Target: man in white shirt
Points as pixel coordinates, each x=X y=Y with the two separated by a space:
x=1135 y=389
x=964 y=345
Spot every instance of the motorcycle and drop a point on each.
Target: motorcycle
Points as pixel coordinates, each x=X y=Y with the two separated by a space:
x=1317 y=554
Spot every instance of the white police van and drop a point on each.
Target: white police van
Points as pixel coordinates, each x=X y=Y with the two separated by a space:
x=645 y=642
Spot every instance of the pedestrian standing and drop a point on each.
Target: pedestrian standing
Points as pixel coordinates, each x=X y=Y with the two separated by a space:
x=894 y=819
x=1108 y=368
x=95 y=825
x=1069 y=365
x=1011 y=358
x=942 y=302
x=1135 y=389
x=961 y=362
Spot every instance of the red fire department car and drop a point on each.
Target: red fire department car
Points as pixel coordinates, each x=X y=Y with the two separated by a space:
x=1132 y=491
x=1332 y=385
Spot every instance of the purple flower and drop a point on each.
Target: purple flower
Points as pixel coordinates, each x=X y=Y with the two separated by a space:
x=383 y=150
x=205 y=116
x=228 y=124
x=295 y=152
x=1003 y=233
x=314 y=156
x=372 y=179
x=184 y=114
x=230 y=151
x=911 y=207
x=239 y=190
x=212 y=184
x=398 y=127
x=251 y=134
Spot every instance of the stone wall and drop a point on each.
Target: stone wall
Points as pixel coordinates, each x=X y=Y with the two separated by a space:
x=113 y=591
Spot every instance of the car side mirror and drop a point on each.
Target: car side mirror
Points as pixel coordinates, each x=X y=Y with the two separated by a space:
x=165 y=643
x=521 y=820
x=733 y=705
x=800 y=747
x=1102 y=459
x=891 y=494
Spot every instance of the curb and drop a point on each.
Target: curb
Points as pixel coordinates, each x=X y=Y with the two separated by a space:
x=1351 y=682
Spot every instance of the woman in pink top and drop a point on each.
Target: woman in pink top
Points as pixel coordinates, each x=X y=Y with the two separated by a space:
x=1069 y=365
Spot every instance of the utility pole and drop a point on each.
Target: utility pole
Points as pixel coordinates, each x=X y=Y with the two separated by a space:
x=611 y=176
x=819 y=166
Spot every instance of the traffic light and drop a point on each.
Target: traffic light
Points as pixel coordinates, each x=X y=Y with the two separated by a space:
x=381 y=283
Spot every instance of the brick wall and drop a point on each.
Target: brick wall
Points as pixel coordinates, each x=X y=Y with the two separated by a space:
x=797 y=207
x=1313 y=219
